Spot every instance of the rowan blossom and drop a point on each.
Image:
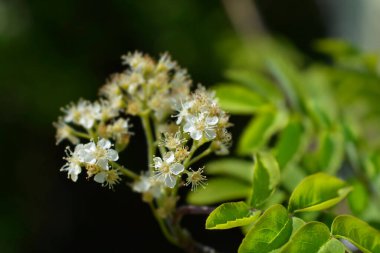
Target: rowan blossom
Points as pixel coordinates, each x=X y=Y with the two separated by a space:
x=167 y=169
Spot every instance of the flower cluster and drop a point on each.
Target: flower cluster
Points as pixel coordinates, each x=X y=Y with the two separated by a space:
x=181 y=127
x=96 y=159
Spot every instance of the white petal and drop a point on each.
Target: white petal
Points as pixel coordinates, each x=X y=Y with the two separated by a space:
x=142 y=185
x=188 y=127
x=157 y=162
x=89 y=158
x=73 y=177
x=79 y=148
x=102 y=163
x=89 y=147
x=188 y=105
x=169 y=157
x=112 y=155
x=210 y=134
x=212 y=120
x=104 y=143
x=196 y=135
x=191 y=119
x=176 y=168
x=100 y=177
x=86 y=122
x=170 y=181
x=77 y=169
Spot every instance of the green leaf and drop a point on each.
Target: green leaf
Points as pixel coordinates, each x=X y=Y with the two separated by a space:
x=358 y=232
x=266 y=176
x=288 y=77
x=237 y=99
x=313 y=237
x=290 y=142
x=317 y=192
x=291 y=176
x=331 y=151
x=259 y=130
x=237 y=168
x=219 y=190
x=297 y=224
x=277 y=197
x=359 y=198
x=230 y=215
x=257 y=82
x=332 y=246
x=270 y=232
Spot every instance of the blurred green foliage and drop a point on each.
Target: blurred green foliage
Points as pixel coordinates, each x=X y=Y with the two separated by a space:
x=313 y=116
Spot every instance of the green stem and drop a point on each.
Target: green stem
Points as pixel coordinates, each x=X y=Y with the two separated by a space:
x=149 y=138
x=163 y=227
x=158 y=137
x=80 y=134
x=198 y=157
x=191 y=153
x=125 y=171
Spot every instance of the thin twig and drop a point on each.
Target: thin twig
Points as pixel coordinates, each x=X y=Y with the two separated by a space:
x=192 y=210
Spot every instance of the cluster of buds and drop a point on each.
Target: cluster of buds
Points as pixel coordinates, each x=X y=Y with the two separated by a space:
x=181 y=127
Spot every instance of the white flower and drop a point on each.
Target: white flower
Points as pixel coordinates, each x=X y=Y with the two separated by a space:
x=172 y=141
x=201 y=126
x=148 y=184
x=100 y=153
x=84 y=113
x=167 y=169
x=104 y=111
x=74 y=162
x=107 y=178
x=64 y=132
x=165 y=63
x=118 y=128
x=183 y=111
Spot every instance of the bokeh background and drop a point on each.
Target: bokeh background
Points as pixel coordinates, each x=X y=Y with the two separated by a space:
x=54 y=52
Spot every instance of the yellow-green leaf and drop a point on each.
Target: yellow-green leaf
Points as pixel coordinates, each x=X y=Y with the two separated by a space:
x=270 y=232
x=230 y=215
x=362 y=235
x=313 y=237
x=317 y=192
x=266 y=176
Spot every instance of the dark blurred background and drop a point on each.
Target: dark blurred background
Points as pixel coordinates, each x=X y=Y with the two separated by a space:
x=54 y=52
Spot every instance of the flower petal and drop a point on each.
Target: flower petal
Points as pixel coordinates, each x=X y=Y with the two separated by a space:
x=170 y=181
x=157 y=162
x=196 y=135
x=210 y=134
x=103 y=163
x=100 y=177
x=112 y=155
x=188 y=127
x=212 y=120
x=142 y=185
x=104 y=143
x=176 y=168
x=169 y=157
x=89 y=158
